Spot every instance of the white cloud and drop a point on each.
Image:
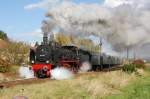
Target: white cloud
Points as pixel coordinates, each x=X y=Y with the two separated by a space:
x=43 y=4
x=115 y=3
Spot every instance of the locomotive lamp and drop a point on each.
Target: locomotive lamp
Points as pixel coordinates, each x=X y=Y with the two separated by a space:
x=45 y=68
x=32 y=61
x=47 y=61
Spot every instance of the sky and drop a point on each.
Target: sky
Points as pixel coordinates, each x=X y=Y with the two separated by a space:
x=18 y=22
x=22 y=24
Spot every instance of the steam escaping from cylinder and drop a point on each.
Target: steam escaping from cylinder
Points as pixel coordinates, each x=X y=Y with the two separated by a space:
x=85 y=67
x=61 y=73
x=25 y=72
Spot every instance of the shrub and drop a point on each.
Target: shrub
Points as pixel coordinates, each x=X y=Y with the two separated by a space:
x=3 y=35
x=139 y=63
x=129 y=68
x=4 y=67
x=15 y=53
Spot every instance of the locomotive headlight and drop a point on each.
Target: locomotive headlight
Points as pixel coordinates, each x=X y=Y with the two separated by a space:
x=47 y=61
x=45 y=68
x=32 y=61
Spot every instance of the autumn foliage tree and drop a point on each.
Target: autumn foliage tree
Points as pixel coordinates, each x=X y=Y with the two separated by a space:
x=63 y=39
x=15 y=53
x=84 y=43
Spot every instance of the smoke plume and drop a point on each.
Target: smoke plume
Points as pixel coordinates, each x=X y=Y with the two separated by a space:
x=25 y=72
x=61 y=73
x=123 y=24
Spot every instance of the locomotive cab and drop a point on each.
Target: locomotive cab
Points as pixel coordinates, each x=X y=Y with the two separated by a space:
x=69 y=58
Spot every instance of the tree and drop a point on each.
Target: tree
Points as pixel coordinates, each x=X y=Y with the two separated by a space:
x=63 y=39
x=88 y=45
x=83 y=43
x=3 y=35
x=15 y=53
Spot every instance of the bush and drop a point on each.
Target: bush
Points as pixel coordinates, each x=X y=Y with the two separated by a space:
x=3 y=35
x=15 y=53
x=129 y=68
x=139 y=63
x=4 y=67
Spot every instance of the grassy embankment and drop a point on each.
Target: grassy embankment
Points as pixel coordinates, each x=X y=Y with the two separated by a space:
x=138 y=89
x=96 y=85
x=109 y=85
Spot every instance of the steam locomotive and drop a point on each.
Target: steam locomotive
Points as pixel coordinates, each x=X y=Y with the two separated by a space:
x=50 y=54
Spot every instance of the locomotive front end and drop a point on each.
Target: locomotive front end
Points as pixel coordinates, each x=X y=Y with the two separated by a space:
x=42 y=70
x=40 y=59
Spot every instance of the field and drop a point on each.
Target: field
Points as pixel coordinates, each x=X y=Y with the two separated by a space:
x=97 y=85
x=138 y=89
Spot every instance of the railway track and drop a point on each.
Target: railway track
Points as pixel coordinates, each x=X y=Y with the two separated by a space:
x=22 y=82
x=36 y=81
x=112 y=68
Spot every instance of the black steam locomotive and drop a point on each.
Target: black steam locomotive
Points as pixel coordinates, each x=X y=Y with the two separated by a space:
x=51 y=54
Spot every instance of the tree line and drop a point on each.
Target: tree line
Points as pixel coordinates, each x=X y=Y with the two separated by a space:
x=3 y=35
x=15 y=52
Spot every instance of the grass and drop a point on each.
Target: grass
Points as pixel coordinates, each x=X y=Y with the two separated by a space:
x=14 y=69
x=139 y=89
x=49 y=90
x=85 y=86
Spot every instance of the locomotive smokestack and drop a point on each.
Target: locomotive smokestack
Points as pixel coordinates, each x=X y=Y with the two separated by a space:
x=46 y=29
x=45 y=38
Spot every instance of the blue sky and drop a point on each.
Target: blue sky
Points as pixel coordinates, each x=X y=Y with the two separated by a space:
x=19 y=22
x=16 y=21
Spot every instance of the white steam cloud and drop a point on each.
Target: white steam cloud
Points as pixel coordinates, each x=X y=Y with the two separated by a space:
x=85 y=67
x=123 y=23
x=61 y=73
x=25 y=72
